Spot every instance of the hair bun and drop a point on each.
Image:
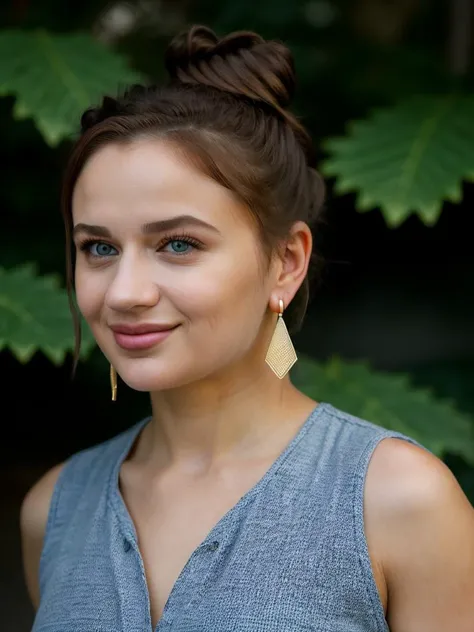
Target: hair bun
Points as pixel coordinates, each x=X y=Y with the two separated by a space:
x=242 y=63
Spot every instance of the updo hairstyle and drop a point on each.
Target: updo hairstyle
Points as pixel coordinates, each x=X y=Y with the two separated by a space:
x=226 y=106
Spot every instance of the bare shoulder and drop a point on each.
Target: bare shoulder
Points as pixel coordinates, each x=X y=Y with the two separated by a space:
x=403 y=478
x=420 y=531
x=35 y=505
x=33 y=518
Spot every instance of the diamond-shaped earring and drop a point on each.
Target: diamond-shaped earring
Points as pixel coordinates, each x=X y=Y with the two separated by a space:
x=281 y=354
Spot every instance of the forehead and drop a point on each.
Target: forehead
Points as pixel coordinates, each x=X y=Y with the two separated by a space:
x=147 y=179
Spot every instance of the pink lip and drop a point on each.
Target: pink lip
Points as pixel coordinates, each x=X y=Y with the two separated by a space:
x=140 y=336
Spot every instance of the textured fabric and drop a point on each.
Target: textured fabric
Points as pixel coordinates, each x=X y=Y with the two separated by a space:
x=290 y=556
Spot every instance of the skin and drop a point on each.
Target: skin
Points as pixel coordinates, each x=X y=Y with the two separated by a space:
x=220 y=416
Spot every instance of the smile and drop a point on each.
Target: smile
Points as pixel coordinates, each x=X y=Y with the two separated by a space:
x=145 y=340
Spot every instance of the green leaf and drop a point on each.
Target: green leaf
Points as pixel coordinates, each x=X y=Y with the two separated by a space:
x=56 y=77
x=408 y=158
x=35 y=316
x=388 y=400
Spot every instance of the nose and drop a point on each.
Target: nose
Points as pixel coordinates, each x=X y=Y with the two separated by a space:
x=132 y=287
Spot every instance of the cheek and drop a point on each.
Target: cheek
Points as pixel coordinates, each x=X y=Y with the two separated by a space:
x=225 y=291
x=89 y=294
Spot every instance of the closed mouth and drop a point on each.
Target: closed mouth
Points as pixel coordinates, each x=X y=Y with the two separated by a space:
x=141 y=341
x=140 y=330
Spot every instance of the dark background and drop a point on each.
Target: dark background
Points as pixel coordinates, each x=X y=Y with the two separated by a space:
x=400 y=298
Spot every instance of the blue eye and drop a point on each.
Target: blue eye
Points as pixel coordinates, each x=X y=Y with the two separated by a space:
x=179 y=246
x=98 y=249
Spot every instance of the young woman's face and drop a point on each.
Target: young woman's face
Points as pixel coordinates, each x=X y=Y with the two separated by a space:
x=170 y=273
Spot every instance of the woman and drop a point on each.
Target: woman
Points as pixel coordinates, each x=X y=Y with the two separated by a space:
x=240 y=504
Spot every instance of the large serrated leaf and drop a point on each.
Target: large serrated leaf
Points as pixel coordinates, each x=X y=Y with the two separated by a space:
x=56 y=77
x=408 y=158
x=35 y=316
x=388 y=400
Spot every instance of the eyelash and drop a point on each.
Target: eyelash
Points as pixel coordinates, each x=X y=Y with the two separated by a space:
x=188 y=239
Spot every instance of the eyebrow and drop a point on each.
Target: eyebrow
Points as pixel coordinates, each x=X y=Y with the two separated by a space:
x=151 y=228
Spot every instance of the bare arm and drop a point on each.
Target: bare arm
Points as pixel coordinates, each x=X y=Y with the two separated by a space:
x=33 y=519
x=422 y=524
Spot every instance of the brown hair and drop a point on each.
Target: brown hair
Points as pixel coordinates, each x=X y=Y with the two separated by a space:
x=225 y=106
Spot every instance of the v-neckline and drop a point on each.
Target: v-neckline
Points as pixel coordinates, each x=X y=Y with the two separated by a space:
x=128 y=527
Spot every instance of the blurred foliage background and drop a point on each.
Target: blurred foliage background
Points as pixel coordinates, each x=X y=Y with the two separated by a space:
x=386 y=88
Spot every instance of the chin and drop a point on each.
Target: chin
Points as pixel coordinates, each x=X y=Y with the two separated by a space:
x=150 y=375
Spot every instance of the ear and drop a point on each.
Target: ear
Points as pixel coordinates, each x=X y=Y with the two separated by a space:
x=294 y=259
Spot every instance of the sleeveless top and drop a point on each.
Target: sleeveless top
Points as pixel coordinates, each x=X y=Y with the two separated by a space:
x=290 y=556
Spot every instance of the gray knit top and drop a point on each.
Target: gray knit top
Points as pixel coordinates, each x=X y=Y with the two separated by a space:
x=290 y=556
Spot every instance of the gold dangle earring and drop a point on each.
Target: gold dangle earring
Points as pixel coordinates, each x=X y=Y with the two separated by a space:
x=281 y=354
x=113 y=382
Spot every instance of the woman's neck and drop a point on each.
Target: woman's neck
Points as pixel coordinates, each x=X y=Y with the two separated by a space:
x=221 y=419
